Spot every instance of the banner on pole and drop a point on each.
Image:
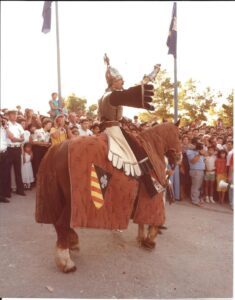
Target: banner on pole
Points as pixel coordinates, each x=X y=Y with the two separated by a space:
x=46 y=13
x=172 y=37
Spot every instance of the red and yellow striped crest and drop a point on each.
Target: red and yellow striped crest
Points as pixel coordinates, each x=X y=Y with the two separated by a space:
x=96 y=192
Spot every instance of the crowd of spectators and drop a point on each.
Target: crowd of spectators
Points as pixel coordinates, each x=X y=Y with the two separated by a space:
x=207 y=163
x=26 y=137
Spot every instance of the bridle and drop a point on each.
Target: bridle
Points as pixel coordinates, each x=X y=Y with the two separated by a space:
x=173 y=157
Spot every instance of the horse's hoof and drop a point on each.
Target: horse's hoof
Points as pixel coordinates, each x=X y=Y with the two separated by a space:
x=162 y=227
x=148 y=244
x=73 y=269
x=63 y=261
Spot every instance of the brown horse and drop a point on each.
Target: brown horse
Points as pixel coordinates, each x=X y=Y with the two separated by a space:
x=63 y=196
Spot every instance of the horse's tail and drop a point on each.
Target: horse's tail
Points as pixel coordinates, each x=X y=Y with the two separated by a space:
x=48 y=193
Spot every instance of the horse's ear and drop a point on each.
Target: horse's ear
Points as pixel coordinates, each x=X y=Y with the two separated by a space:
x=177 y=123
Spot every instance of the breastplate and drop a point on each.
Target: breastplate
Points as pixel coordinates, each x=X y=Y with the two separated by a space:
x=108 y=112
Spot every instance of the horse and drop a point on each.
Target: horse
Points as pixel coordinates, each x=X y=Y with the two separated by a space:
x=65 y=169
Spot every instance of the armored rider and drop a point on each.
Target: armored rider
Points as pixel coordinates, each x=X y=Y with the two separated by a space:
x=124 y=152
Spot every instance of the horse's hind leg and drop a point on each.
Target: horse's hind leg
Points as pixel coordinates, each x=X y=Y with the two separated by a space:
x=66 y=237
x=62 y=255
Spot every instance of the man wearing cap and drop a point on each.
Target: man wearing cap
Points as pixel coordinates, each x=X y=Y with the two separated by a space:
x=15 y=140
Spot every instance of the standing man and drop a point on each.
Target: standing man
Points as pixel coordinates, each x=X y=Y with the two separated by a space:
x=4 y=168
x=15 y=140
x=197 y=167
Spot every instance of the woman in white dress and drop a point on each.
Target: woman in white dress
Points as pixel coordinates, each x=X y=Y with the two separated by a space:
x=26 y=167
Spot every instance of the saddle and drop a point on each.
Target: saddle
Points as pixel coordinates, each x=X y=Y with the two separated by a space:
x=126 y=153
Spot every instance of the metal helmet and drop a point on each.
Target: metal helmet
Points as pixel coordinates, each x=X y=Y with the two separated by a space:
x=111 y=74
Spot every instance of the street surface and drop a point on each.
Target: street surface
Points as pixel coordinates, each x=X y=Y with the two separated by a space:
x=193 y=257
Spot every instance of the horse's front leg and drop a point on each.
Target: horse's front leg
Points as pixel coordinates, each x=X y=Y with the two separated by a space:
x=62 y=255
x=149 y=242
x=152 y=234
x=73 y=240
x=141 y=234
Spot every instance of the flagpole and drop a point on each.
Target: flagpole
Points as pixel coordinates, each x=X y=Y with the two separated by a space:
x=172 y=45
x=175 y=91
x=175 y=75
x=0 y=60
x=58 y=54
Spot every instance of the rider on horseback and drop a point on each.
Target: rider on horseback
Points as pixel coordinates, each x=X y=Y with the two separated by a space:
x=124 y=150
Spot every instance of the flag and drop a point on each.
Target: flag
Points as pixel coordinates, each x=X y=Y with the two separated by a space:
x=99 y=183
x=96 y=193
x=172 y=37
x=46 y=13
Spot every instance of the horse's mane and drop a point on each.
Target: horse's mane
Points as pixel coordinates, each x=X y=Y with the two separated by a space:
x=167 y=126
x=160 y=133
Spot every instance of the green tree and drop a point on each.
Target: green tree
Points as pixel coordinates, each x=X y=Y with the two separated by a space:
x=195 y=104
x=226 y=113
x=162 y=100
x=74 y=103
x=192 y=103
x=92 y=111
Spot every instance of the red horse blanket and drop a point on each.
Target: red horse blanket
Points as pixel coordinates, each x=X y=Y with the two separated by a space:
x=101 y=195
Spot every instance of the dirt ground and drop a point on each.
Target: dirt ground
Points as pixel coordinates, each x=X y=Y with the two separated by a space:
x=193 y=257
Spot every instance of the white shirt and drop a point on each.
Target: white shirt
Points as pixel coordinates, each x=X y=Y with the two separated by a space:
x=210 y=162
x=71 y=125
x=17 y=130
x=40 y=135
x=3 y=139
x=26 y=136
x=85 y=133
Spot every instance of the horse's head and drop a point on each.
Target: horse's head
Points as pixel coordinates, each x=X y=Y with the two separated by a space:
x=168 y=142
x=173 y=157
x=159 y=141
x=173 y=149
